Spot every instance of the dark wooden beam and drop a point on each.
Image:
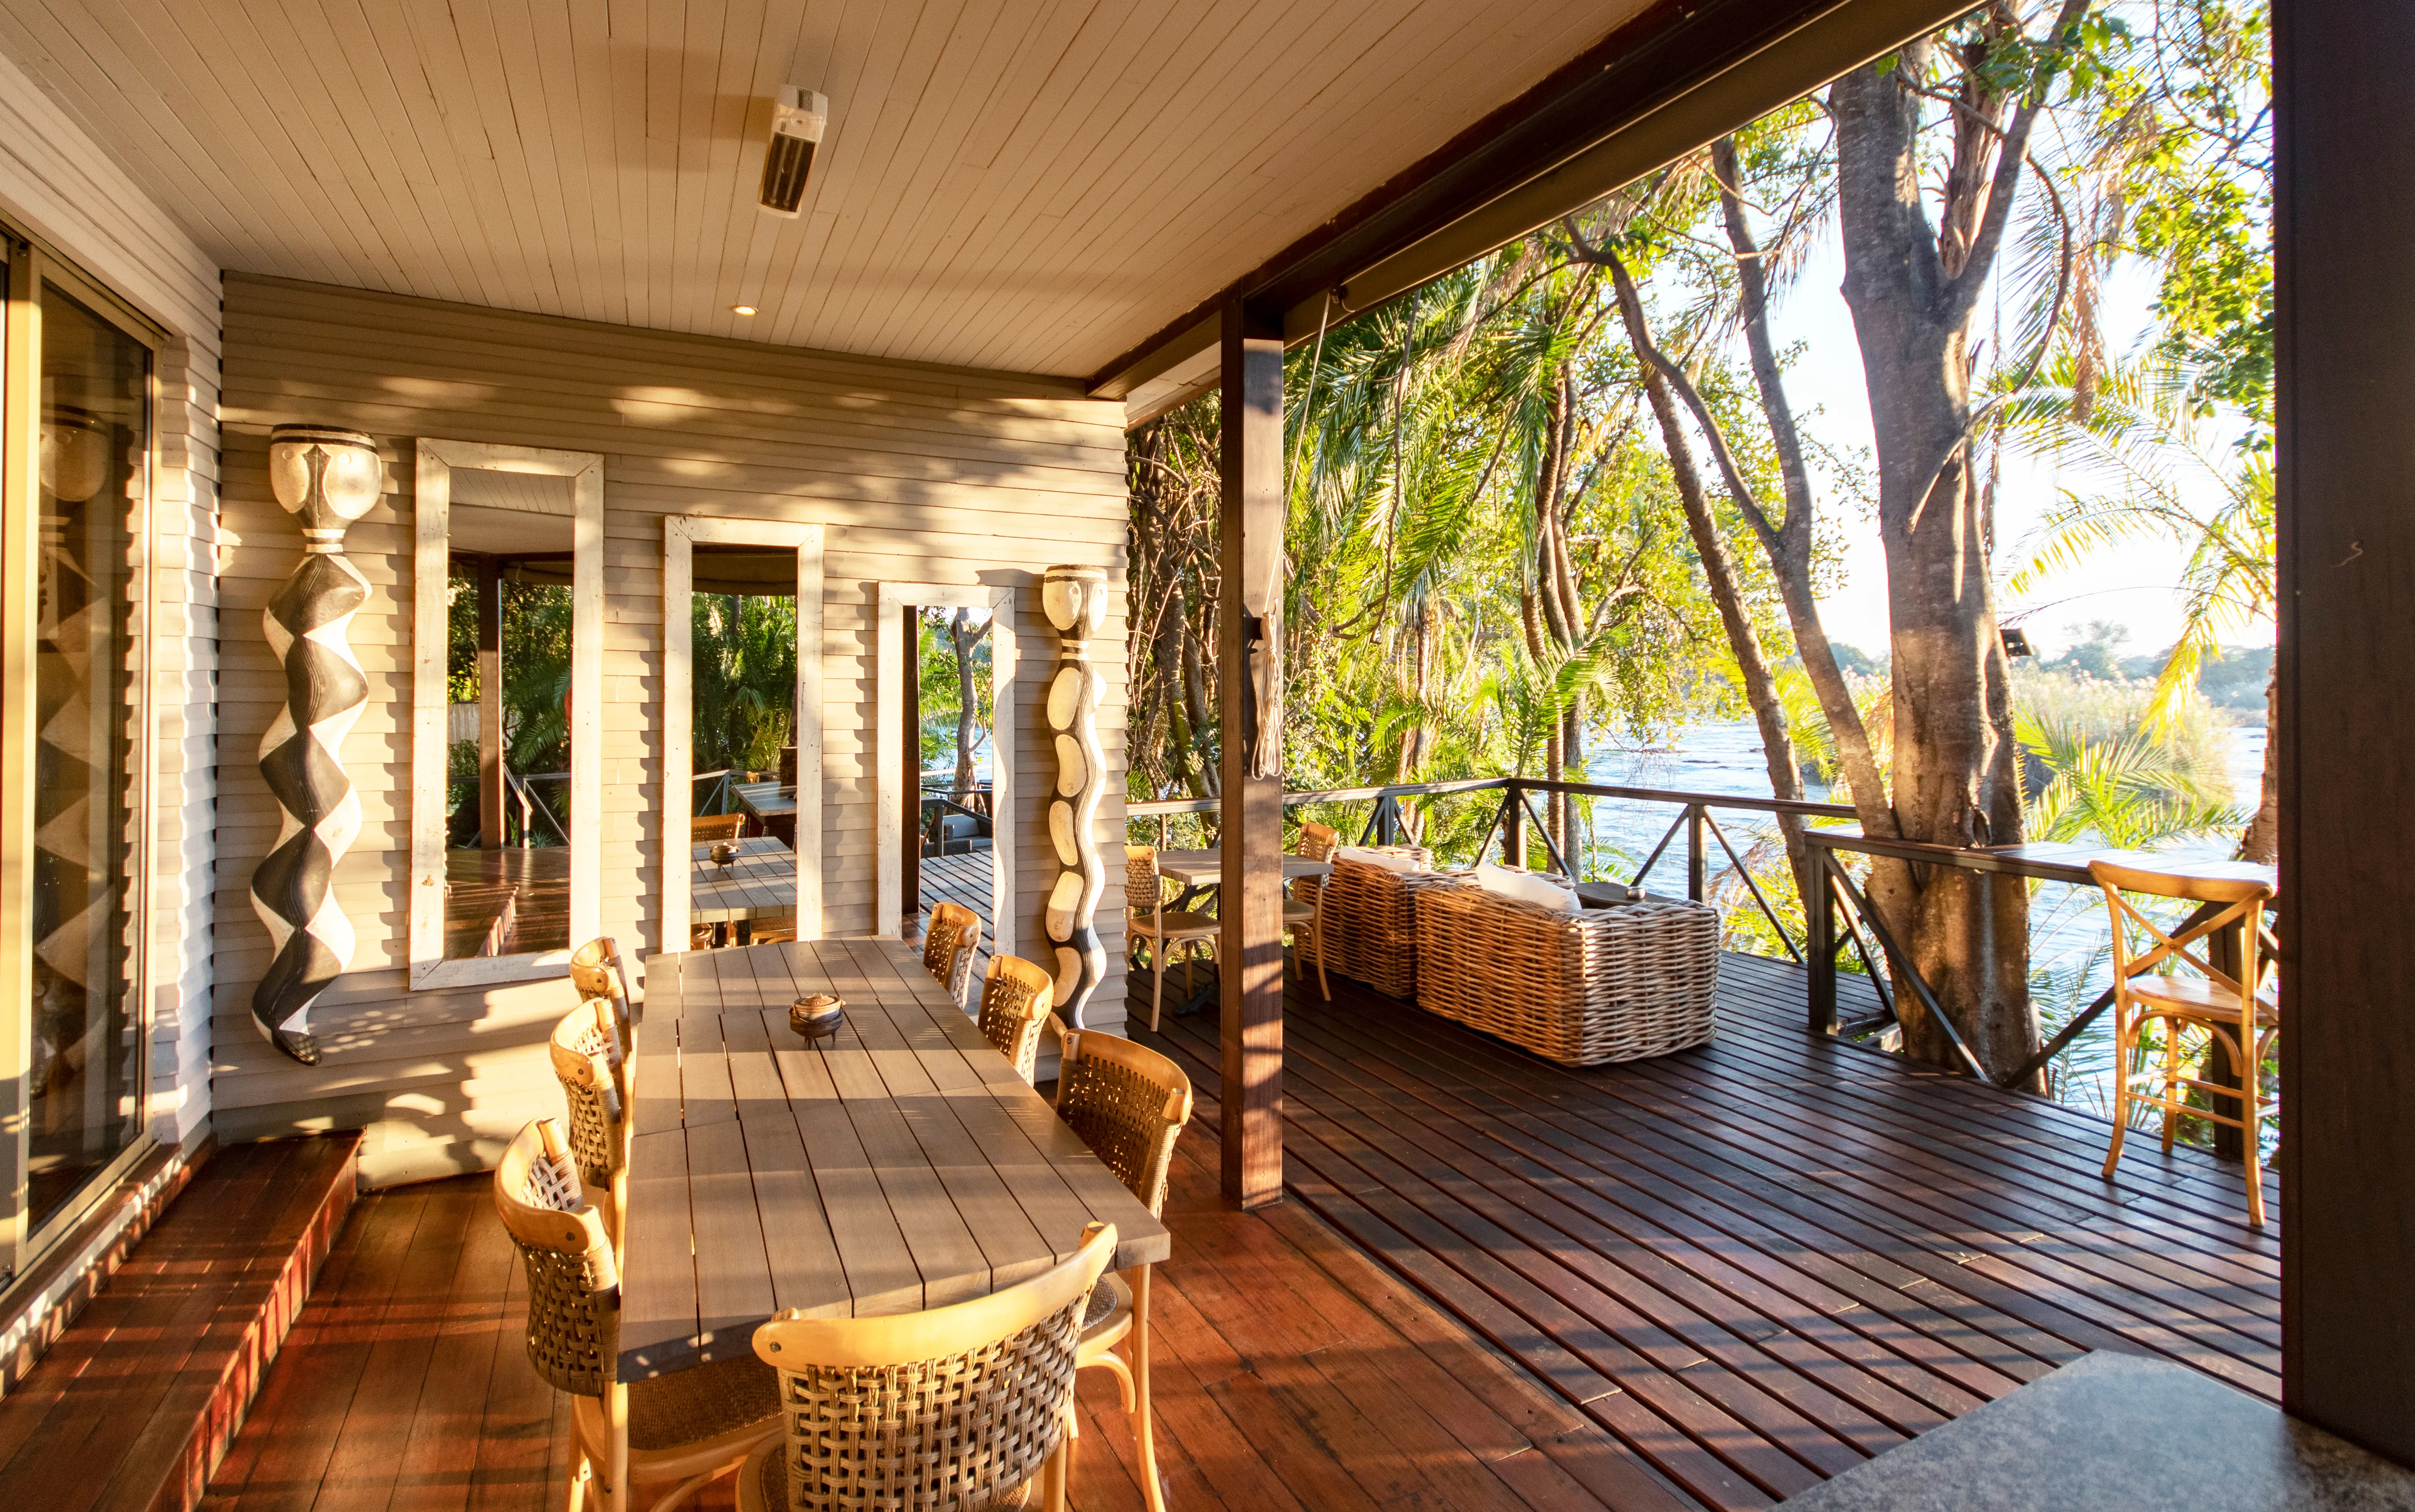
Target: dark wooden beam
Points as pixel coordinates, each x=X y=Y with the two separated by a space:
x=2344 y=244
x=490 y=703
x=1666 y=82
x=1250 y=829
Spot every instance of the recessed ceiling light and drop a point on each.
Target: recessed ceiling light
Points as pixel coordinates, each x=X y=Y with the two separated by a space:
x=743 y=309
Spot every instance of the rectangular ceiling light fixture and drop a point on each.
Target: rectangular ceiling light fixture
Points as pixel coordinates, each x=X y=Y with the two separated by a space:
x=798 y=117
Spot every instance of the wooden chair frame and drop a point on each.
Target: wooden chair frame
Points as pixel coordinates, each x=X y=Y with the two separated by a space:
x=1016 y=996
x=599 y=1401
x=933 y=1340
x=1146 y=919
x=2230 y=1008
x=1306 y=920
x=949 y=944
x=1143 y=1157
x=597 y=971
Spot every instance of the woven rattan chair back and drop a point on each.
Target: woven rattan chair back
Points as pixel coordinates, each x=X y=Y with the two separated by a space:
x=1129 y=1104
x=948 y=948
x=952 y=1408
x=574 y=1282
x=1015 y=999
x=597 y=971
x=583 y=1050
x=1144 y=884
x=1318 y=841
x=706 y=827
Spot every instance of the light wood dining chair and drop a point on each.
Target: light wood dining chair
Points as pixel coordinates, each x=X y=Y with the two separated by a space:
x=1304 y=918
x=1015 y=999
x=1129 y=1104
x=947 y=947
x=957 y=1407
x=594 y=1088
x=597 y=971
x=2233 y=1010
x=1167 y=930
x=682 y=1429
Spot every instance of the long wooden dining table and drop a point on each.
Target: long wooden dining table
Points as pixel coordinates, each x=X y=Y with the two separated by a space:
x=899 y=1166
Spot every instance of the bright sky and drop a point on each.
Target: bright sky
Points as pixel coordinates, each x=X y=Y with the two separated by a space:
x=2134 y=587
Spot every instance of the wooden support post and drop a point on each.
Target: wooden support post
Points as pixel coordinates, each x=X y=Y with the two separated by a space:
x=490 y=703
x=1820 y=927
x=1698 y=864
x=909 y=849
x=1249 y=832
x=2343 y=300
x=1513 y=825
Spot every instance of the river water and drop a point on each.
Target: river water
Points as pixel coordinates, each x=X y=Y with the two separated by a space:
x=2069 y=935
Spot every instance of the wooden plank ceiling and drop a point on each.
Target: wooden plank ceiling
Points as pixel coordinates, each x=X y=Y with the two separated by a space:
x=1027 y=184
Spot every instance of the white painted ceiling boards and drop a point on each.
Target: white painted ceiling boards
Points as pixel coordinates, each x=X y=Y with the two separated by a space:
x=1029 y=184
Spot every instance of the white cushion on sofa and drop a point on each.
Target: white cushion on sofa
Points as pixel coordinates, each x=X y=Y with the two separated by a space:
x=1525 y=887
x=1368 y=855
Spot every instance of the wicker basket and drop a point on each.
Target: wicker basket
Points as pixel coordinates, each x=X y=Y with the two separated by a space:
x=1581 y=989
x=1371 y=923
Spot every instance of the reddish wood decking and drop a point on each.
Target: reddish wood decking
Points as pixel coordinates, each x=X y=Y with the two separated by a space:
x=1759 y=1263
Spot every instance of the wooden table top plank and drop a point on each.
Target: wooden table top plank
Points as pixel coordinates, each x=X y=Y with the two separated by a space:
x=761 y=882
x=655 y=1075
x=658 y=1307
x=899 y=1164
x=878 y=1272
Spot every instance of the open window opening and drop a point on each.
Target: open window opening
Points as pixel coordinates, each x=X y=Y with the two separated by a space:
x=950 y=856
x=742 y=724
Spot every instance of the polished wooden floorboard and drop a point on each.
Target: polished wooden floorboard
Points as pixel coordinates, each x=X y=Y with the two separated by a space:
x=1759 y=1262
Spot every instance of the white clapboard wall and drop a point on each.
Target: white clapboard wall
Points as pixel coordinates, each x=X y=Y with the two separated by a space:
x=919 y=474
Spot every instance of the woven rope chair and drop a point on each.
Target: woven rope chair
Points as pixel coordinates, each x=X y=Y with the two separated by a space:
x=586 y=1061
x=2232 y=1010
x=706 y=827
x=959 y=1407
x=948 y=948
x=597 y=971
x=1129 y=1104
x=1015 y=999
x=1148 y=918
x=1304 y=919
x=684 y=1428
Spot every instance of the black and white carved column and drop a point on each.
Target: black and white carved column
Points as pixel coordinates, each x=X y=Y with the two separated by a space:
x=1075 y=601
x=329 y=478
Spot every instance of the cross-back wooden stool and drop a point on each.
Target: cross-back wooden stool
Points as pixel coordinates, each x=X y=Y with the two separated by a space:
x=2233 y=1010
x=1167 y=930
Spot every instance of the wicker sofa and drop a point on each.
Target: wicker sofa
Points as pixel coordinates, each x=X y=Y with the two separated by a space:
x=1370 y=926
x=1581 y=989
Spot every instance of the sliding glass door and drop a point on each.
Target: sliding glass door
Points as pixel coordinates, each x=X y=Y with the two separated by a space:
x=74 y=522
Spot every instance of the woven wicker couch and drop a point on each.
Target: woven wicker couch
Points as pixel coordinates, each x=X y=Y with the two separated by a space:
x=1581 y=989
x=1371 y=933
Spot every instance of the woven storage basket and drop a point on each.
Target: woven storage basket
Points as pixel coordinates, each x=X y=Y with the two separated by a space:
x=1371 y=923
x=1581 y=989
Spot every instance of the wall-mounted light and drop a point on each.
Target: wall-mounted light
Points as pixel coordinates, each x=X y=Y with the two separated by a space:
x=74 y=454
x=742 y=309
x=2017 y=642
x=798 y=116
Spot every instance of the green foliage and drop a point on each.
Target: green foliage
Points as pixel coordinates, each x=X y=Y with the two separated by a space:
x=744 y=671
x=941 y=692
x=537 y=669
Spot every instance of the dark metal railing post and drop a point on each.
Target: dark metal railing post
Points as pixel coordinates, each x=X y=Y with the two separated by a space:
x=1513 y=827
x=1697 y=875
x=1820 y=923
x=1387 y=821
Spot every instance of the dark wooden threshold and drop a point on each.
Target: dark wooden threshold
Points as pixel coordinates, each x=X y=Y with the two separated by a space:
x=135 y=1402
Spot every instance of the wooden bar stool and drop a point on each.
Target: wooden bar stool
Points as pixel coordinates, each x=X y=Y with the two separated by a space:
x=1129 y=1104
x=1304 y=920
x=1147 y=918
x=594 y=1088
x=959 y=1407
x=947 y=947
x=1015 y=999
x=2233 y=1010
x=684 y=1428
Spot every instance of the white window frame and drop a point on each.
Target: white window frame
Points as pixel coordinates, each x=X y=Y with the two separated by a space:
x=681 y=533
x=893 y=653
x=431 y=508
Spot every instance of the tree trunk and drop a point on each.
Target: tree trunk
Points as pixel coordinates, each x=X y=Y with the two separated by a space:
x=1727 y=592
x=964 y=636
x=2263 y=841
x=1955 y=762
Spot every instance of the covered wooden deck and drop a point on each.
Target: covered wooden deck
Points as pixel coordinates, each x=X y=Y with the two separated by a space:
x=1710 y=1280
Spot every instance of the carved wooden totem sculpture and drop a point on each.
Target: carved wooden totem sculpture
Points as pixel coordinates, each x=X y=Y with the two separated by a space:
x=1075 y=601
x=329 y=478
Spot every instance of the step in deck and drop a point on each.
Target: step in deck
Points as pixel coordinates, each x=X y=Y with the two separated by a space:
x=135 y=1404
